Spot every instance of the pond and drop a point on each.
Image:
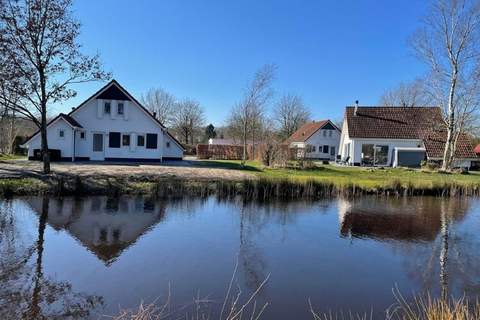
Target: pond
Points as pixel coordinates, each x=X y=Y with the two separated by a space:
x=93 y=256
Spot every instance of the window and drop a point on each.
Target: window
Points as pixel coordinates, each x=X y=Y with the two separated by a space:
x=368 y=154
x=168 y=144
x=324 y=133
x=141 y=141
x=120 y=108
x=152 y=140
x=114 y=140
x=381 y=155
x=330 y=132
x=332 y=150
x=61 y=133
x=125 y=140
x=107 y=107
x=82 y=135
x=374 y=155
x=325 y=149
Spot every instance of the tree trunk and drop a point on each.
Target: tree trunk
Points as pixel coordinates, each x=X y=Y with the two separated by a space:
x=244 y=156
x=43 y=133
x=43 y=125
x=450 y=124
x=12 y=135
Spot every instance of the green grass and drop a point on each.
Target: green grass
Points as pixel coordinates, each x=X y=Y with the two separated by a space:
x=367 y=178
x=11 y=156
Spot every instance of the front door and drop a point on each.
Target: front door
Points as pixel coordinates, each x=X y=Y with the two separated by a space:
x=98 y=148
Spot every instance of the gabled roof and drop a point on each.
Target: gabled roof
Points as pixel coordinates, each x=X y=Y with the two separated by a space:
x=74 y=123
x=308 y=129
x=435 y=141
x=69 y=120
x=422 y=123
x=392 y=122
x=112 y=90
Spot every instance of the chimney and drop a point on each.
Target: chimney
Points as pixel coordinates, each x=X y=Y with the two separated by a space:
x=154 y=114
x=356 y=108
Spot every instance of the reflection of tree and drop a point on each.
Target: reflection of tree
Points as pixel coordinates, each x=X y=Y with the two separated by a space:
x=250 y=256
x=25 y=291
x=457 y=253
x=440 y=246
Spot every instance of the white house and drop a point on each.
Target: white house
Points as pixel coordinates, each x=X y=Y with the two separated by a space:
x=111 y=125
x=319 y=139
x=222 y=142
x=398 y=136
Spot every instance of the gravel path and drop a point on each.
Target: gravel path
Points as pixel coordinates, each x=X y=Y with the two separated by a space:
x=187 y=169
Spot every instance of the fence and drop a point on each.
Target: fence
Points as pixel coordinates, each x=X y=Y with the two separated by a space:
x=235 y=152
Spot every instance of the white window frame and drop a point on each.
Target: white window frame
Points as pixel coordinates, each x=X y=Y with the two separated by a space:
x=144 y=140
x=61 y=134
x=84 y=135
x=123 y=108
x=129 y=140
x=104 y=105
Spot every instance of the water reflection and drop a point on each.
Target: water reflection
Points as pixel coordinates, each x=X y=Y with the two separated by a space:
x=398 y=219
x=105 y=225
x=449 y=260
x=25 y=292
x=325 y=250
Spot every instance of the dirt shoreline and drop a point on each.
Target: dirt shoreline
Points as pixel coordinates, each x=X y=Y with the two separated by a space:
x=174 y=169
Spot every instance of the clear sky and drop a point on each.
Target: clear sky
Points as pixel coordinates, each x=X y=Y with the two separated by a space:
x=329 y=52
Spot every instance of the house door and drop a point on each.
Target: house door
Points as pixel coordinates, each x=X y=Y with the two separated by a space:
x=98 y=148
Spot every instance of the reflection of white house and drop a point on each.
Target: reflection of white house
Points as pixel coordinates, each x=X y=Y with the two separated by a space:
x=106 y=226
x=397 y=136
x=318 y=138
x=110 y=125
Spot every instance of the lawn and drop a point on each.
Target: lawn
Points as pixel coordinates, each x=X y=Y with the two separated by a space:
x=365 y=177
x=11 y=156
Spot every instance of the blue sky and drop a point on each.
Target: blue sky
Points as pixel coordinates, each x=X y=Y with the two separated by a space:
x=329 y=52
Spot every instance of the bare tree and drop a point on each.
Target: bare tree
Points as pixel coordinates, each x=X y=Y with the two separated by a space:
x=39 y=42
x=410 y=94
x=290 y=114
x=449 y=43
x=161 y=103
x=246 y=117
x=188 y=120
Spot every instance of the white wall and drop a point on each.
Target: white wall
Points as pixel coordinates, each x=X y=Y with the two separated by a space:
x=174 y=151
x=321 y=138
x=136 y=122
x=65 y=144
x=356 y=156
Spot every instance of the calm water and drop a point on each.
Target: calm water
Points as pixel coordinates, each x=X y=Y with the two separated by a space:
x=91 y=256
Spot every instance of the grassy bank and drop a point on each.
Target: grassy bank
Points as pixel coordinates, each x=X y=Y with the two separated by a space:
x=368 y=180
x=265 y=184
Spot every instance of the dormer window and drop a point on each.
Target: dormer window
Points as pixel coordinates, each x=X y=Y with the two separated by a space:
x=107 y=108
x=120 y=108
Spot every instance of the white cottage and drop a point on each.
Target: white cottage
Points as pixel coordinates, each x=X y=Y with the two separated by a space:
x=111 y=125
x=398 y=137
x=318 y=139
